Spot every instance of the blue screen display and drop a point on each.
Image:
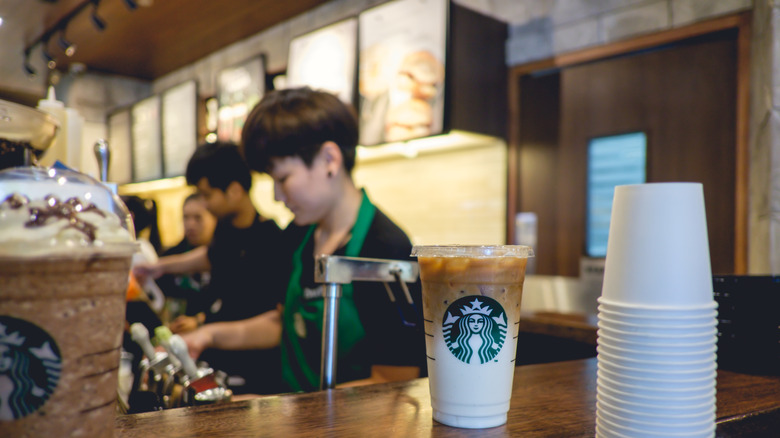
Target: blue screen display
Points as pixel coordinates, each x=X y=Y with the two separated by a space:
x=612 y=161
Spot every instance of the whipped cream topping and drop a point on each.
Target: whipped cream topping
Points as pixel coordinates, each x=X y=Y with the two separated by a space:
x=54 y=226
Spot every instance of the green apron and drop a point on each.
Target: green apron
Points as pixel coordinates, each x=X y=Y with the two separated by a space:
x=296 y=370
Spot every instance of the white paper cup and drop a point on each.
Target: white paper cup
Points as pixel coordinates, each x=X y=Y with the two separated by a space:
x=654 y=400
x=656 y=344
x=642 y=429
x=658 y=249
x=648 y=353
x=703 y=315
x=662 y=383
x=642 y=414
x=658 y=325
x=654 y=391
x=654 y=409
x=659 y=365
x=649 y=338
x=690 y=374
x=614 y=428
x=471 y=306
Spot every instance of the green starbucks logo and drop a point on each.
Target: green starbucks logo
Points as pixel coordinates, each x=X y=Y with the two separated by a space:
x=30 y=366
x=475 y=329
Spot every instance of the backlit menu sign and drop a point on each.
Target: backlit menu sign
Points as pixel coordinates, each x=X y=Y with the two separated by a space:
x=401 y=70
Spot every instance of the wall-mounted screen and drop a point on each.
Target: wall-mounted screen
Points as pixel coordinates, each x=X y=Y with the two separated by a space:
x=147 y=144
x=325 y=59
x=612 y=160
x=401 y=70
x=179 y=127
x=240 y=88
x=120 y=142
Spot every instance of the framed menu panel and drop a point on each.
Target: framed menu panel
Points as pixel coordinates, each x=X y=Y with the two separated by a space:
x=147 y=144
x=179 y=127
x=239 y=89
x=325 y=59
x=120 y=142
x=401 y=70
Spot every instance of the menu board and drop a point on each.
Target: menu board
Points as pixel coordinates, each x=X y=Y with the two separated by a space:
x=179 y=127
x=239 y=90
x=120 y=143
x=147 y=144
x=401 y=70
x=325 y=59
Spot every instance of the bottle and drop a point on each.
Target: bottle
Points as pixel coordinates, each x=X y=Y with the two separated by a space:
x=67 y=144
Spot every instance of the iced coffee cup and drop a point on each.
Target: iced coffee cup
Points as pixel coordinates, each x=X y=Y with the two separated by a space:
x=64 y=269
x=471 y=307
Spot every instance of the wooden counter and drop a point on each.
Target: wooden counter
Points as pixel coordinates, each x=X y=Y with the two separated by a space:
x=549 y=400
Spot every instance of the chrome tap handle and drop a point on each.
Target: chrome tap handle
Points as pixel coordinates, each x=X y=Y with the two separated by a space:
x=103 y=156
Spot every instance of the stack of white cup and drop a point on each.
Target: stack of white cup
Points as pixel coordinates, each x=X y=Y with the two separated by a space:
x=657 y=317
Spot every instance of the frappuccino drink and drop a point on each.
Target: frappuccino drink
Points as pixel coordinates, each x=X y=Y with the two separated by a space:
x=471 y=307
x=64 y=267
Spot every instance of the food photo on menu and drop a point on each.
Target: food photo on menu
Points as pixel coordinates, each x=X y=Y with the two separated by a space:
x=401 y=71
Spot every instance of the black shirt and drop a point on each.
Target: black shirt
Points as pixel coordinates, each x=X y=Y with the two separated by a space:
x=241 y=287
x=393 y=331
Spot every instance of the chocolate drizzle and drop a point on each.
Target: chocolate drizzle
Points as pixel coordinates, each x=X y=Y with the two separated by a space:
x=56 y=210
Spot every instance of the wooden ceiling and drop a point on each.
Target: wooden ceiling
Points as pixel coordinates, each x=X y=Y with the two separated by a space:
x=159 y=36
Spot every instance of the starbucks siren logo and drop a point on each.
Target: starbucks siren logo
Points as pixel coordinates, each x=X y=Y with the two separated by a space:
x=30 y=366
x=475 y=329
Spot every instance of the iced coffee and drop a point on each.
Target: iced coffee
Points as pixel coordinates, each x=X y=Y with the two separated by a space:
x=64 y=267
x=471 y=307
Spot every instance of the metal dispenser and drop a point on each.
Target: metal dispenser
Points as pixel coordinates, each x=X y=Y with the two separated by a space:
x=337 y=270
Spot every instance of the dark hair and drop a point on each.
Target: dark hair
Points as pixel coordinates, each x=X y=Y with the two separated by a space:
x=296 y=122
x=144 y=213
x=197 y=196
x=220 y=163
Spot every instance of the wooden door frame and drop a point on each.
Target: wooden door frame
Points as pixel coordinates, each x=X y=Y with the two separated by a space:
x=741 y=22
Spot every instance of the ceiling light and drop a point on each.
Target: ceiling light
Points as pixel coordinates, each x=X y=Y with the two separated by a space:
x=50 y=61
x=1 y=21
x=99 y=23
x=66 y=46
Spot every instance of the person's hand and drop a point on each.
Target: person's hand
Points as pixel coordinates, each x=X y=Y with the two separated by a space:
x=197 y=341
x=184 y=324
x=145 y=270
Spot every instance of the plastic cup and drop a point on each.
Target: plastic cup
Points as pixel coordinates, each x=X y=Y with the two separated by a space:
x=471 y=304
x=654 y=409
x=658 y=249
x=654 y=423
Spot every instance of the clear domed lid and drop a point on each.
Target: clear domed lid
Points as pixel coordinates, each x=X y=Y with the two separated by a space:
x=40 y=183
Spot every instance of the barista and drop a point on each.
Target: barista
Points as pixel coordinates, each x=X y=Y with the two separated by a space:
x=306 y=140
x=243 y=245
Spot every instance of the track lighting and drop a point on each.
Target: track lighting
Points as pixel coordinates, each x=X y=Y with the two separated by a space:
x=99 y=23
x=66 y=46
x=50 y=61
x=28 y=69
